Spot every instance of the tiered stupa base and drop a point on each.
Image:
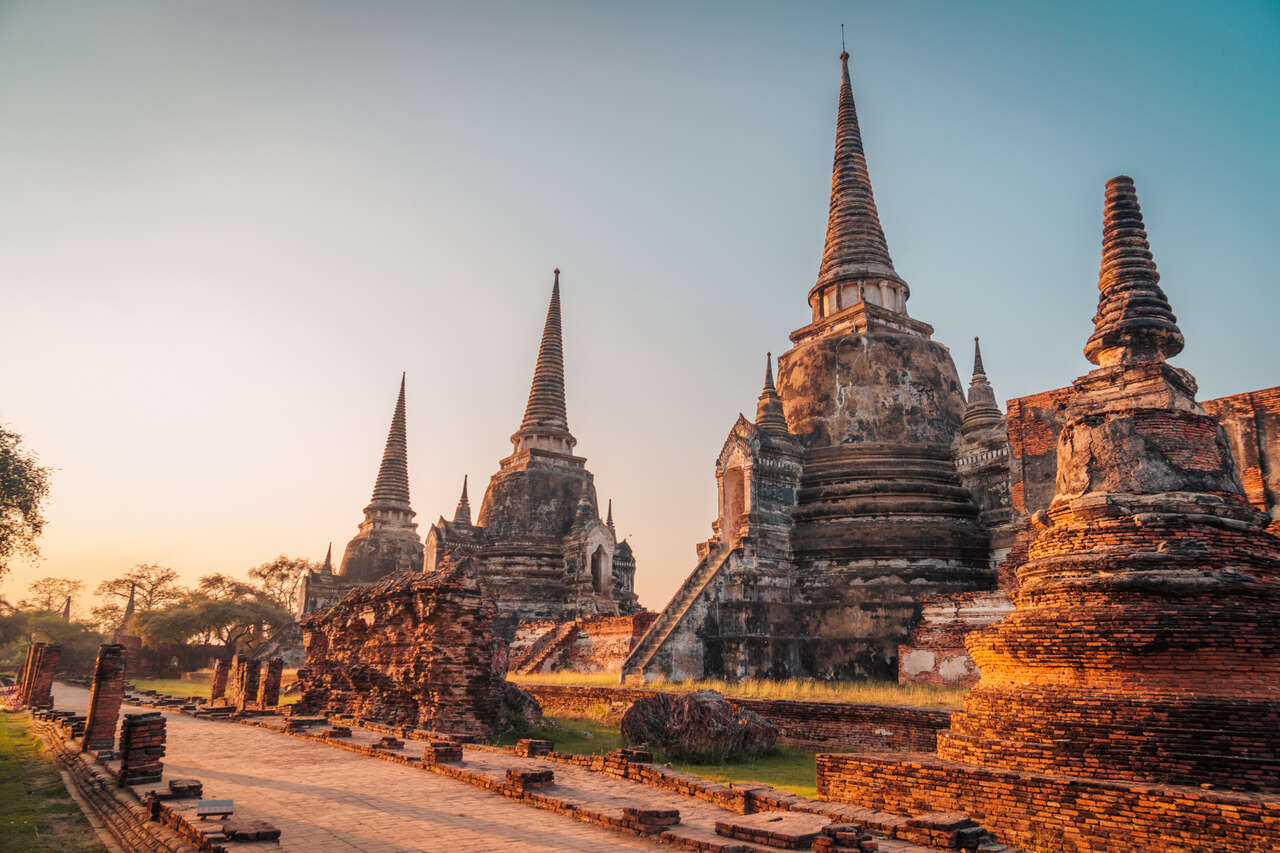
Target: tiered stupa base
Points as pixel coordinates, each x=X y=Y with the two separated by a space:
x=1055 y=811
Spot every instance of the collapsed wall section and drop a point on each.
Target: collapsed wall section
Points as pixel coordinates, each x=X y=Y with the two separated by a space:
x=416 y=650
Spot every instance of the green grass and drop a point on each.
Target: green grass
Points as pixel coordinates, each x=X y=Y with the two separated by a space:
x=579 y=735
x=174 y=686
x=36 y=812
x=802 y=689
x=784 y=767
x=199 y=685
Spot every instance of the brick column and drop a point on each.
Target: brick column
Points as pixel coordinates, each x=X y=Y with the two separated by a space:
x=142 y=739
x=218 y=689
x=28 y=667
x=105 y=697
x=271 y=683
x=250 y=676
x=41 y=693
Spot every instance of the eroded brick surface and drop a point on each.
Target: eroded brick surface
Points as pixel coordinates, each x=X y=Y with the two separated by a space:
x=415 y=650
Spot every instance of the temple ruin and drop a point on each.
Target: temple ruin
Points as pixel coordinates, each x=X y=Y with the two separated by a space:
x=539 y=546
x=539 y=543
x=387 y=540
x=416 y=649
x=840 y=506
x=873 y=514
x=1144 y=645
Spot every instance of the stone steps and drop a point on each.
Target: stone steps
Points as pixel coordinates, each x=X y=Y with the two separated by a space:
x=673 y=613
x=541 y=651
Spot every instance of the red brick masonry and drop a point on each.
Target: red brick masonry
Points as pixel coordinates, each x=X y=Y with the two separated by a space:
x=1057 y=812
x=105 y=696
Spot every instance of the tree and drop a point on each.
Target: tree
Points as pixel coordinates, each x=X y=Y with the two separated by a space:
x=153 y=587
x=229 y=621
x=24 y=487
x=79 y=640
x=279 y=578
x=50 y=594
x=225 y=588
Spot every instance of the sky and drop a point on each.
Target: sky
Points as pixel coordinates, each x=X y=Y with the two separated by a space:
x=227 y=227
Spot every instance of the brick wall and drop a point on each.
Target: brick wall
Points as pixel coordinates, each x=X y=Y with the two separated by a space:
x=835 y=725
x=1252 y=424
x=1060 y=813
x=935 y=652
x=1034 y=423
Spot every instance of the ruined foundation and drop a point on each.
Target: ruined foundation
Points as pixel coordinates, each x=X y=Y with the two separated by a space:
x=415 y=650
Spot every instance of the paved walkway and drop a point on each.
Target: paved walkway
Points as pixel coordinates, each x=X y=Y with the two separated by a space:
x=328 y=800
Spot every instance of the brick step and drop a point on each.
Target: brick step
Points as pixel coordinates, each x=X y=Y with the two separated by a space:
x=673 y=613
x=536 y=656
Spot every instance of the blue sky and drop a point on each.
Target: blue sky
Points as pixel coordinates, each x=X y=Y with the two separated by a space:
x=227 y=227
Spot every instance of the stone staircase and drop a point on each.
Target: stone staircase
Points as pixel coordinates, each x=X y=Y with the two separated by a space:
x=674 y=612
x=545 y=646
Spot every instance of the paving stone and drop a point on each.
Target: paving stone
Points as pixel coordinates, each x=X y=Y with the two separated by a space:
x=328 y=800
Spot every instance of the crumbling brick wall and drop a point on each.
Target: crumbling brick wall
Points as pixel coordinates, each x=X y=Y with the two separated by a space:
x=416 y=649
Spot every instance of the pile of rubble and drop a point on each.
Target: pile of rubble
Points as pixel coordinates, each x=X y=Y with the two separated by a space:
x=415 y=650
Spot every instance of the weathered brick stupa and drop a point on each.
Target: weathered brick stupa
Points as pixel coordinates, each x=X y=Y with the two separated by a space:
x=843 y=508
x=387 y=541
x=539 y=544
x=1135 y=690
x=416 y=649
x=1146 y=640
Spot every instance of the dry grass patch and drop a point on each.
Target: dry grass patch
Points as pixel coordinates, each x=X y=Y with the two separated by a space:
x=796 y=689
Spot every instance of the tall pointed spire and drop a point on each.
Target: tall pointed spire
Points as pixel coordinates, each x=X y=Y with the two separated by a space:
x=391 y=490
x=462 y=515
x=855 y=250
x=546 y=394
x=66 y=610
x=769 y=415
x=608 y=522
x=982 y=410
x=1134 y=322
x=544 y=414
x=327 y=568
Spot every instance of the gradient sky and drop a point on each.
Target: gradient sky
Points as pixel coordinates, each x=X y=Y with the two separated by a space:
x=227 y=227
